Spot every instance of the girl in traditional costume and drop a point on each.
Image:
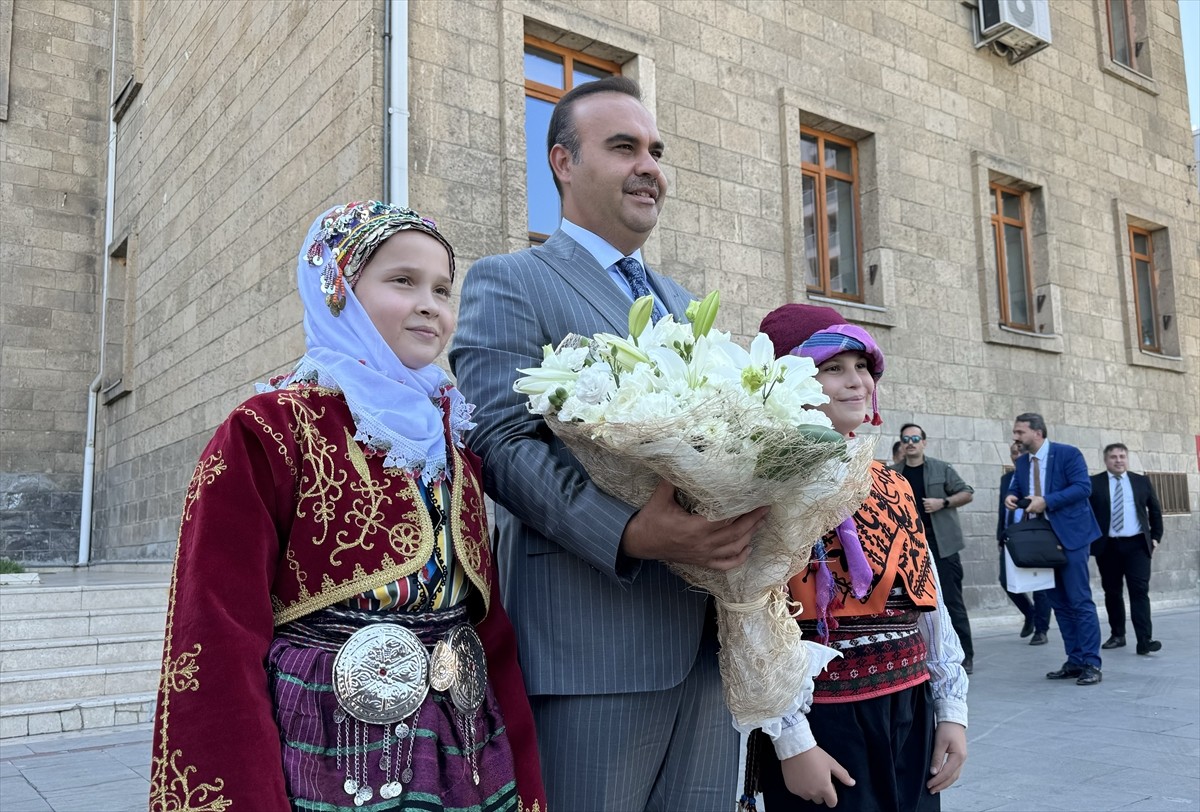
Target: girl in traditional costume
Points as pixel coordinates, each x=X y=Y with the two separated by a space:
x=334 y=639
x=883 y=726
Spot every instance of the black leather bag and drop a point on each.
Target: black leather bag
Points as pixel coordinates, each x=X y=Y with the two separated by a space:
x=1032 y=543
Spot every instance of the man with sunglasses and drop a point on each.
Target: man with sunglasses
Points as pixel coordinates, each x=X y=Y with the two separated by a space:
x=939 y=492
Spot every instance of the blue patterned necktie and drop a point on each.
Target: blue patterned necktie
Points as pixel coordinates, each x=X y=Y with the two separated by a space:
x=1118 y=509
x=635 y=275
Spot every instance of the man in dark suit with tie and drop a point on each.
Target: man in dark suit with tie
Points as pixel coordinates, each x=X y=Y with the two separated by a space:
x=1055 y=479
x=1128 y=513
x=619 y=654
x=1037 y=611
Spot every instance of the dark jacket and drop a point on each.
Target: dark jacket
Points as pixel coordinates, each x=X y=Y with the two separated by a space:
x=1145 y=502
x=942 y=481
x=1005 y=517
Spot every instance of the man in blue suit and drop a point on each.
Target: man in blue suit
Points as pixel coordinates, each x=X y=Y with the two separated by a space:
x=619 y=654
x=1055 y=478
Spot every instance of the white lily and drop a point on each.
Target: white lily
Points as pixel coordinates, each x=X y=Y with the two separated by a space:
x=558 y=370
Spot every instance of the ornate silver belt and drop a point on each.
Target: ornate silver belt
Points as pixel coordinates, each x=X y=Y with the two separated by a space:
x=383 y=673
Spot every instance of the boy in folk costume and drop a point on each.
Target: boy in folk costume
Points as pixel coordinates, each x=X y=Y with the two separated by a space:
x=334 y=638
x=883 y=726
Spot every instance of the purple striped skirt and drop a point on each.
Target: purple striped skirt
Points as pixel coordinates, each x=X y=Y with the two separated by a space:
x=430 y=761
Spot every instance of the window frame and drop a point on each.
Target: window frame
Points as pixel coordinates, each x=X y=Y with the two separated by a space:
x=819 y=172
x=549 y=93
x=1130 y=42
x=998 y=221
x=1171 y=488
x=1134 y=256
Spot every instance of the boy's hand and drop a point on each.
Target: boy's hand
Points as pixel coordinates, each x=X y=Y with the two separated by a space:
x=810 y=775
x=949 y=755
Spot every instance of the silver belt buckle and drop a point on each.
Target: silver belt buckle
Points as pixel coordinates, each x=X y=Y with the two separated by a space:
x=381 y=674
x=458 y=667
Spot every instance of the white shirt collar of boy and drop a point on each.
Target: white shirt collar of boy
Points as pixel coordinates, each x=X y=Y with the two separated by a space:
x=604 y=254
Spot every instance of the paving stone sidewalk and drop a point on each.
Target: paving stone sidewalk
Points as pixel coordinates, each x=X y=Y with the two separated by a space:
x=1131 y=743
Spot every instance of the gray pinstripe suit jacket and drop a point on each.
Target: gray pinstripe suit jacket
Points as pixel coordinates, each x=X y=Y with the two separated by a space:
x=589 y=620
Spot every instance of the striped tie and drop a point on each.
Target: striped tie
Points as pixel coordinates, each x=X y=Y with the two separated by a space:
x=635 y=275
x=1118 y=509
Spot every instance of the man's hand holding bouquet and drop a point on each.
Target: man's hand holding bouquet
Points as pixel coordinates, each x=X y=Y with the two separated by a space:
x=732 y=430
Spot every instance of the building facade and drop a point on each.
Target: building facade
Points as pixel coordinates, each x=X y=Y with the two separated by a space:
x=1020 y=234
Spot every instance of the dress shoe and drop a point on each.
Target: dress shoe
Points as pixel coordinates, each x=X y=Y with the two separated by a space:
x=1145 y=648
x=1068 y=671
x=968 y=665
x=1027 y=629
x=1116 y=641
x=1090 y=675
x=1039 y=639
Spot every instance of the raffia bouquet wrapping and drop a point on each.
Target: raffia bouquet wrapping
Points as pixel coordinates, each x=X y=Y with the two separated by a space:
x=732 y=430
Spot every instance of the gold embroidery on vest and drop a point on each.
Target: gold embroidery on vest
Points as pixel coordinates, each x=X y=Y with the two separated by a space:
x=320 y=486
x=468 y=547
x=301 y=575
x=272 y=432
x=207 y=470
x=170 y=785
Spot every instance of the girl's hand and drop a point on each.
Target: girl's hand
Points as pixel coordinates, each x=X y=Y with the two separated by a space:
x=949 y=755
x=810 y=775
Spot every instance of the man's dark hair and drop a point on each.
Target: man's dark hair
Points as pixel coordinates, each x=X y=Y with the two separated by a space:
x=912 y=426
x=1035 y=421
x=562 y=120
x=1112 y=446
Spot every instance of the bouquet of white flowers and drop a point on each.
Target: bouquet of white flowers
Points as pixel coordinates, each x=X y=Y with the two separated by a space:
x=733 y=430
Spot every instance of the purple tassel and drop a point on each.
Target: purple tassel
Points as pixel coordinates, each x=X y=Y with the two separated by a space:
x=856 y=559
x=824 y=592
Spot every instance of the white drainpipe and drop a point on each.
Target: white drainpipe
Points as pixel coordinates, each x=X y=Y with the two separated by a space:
x=395 y=150
x=89 y=449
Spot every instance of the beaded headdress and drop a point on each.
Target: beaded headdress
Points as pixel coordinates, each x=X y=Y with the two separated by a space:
x=349 y=234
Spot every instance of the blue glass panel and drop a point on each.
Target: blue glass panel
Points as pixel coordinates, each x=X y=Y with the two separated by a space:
x=544 y=67
x=582 y=74
x=543 y=197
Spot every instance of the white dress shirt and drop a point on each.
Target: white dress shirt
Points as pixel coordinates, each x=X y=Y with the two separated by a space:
x=607 y=257
x=1132 y=525
x=1042 y=455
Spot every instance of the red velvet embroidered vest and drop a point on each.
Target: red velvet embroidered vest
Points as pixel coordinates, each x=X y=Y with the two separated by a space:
x=354 y=525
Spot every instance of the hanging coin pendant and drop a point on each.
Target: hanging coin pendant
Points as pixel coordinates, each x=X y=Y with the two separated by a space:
x=392 y=789
x=339 y=716
x=475 y=777
x=363 y=795
x=406 y=776
x=351 y=786
x=401 y=730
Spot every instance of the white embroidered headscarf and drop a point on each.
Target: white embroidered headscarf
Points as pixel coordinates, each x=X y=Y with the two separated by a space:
x=397 y=411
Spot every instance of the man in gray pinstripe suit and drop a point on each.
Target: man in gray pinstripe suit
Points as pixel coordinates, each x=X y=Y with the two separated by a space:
x=619 y=654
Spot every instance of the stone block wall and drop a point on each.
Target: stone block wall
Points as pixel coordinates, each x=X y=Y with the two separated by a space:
x=51 y=235
x=252 y=116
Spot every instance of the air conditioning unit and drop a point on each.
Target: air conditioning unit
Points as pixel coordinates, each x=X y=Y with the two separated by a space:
x=1022 y=26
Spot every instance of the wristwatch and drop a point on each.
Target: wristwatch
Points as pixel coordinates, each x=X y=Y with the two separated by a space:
x=945 y=503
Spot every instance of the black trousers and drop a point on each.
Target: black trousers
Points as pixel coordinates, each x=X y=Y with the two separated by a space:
x=885 y=743
x=1126 y=562
x=950 y=572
